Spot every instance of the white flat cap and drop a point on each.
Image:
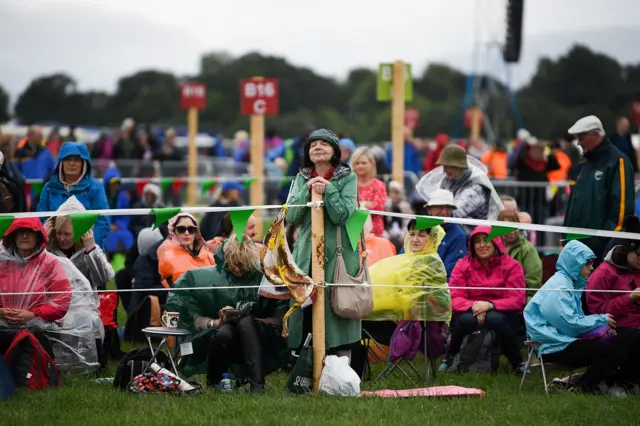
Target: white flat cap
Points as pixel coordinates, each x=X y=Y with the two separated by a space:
x=586 y=124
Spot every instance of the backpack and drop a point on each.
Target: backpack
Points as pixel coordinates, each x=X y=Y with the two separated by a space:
x=406 y=340
x=31 y=364
x=133 y=363
x=479 y=353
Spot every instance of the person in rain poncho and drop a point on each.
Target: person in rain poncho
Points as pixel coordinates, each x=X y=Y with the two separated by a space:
x=419 y=266
x=555 y=319
x=466 y=177
x=252 y=340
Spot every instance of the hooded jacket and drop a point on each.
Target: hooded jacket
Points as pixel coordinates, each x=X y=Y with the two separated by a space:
x=40 y=272
x=119 y=200
x=612 y=276
x=88 y=191
x=502 y=272
x=35 y=163
x=554 y=316
x=526 y=254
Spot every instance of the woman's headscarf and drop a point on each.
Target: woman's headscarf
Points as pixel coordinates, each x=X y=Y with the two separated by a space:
x=424 y=268
x=198 y=241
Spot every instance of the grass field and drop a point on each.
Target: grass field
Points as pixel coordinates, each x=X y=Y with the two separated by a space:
x=85 y=403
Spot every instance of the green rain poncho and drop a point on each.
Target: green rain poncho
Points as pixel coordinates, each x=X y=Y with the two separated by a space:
x=424 y=268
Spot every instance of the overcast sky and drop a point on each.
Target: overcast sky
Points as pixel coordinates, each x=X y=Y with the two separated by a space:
x=98 y=41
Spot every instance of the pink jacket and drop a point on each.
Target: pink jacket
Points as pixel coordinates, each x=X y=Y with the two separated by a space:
x=609 y=276
x=502 y=272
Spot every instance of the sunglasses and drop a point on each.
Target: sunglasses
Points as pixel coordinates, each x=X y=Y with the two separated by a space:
x=181 y=229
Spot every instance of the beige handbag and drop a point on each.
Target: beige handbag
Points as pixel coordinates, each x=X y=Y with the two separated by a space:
x=354 y=301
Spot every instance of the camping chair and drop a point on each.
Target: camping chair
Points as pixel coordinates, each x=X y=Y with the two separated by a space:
x=533 y=351
x=375 y=349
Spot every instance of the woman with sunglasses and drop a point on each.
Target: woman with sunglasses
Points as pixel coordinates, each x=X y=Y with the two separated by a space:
x=555 y=320
x=487 y=290
x=184 y=249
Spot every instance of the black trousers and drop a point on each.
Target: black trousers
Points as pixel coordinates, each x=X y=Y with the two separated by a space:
x=615 y=361
x=505 y=325
x=237 y=343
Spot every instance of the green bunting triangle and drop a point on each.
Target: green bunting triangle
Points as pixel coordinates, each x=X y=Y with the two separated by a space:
x=426 y=223
x=576 y=237
x=239 y=220
x=354 y=226
x=163 y=215
x=37 y=187
x=5 y=223
x=81 y=223
x=248 y=181
x=499 y=231
x=208 y=184
x=165 y=183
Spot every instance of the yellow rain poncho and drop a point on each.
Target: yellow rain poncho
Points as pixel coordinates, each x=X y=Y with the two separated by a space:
x=424 y=268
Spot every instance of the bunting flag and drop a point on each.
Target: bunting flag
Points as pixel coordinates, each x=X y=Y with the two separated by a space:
x=426 y=223
x=81 y=223
x=499 y=231
x=140 y=187
x=37 y=187
x=5 y=223
x=354 y=226
x=239 y=219
x=248 y=181
x=165 y=183
x=576 y=237
x=177 y=185
x=208 y=185
x=163 y=215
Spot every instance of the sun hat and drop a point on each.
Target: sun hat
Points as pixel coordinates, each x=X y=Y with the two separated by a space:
x=441 y=197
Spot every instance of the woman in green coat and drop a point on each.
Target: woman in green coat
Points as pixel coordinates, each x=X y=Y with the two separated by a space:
x=231 y=326
x=523 y=251
x=322 y=172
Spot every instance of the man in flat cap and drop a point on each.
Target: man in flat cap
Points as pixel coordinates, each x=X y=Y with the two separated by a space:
x=603 y=192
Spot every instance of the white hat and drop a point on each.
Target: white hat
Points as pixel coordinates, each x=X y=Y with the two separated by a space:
x=523 y=134
x=441 y=197
x=587 y=124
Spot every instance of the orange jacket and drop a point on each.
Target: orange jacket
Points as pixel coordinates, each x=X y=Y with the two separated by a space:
x=496 y=162
x=174 y=260
x=378 y=249
x=562 y=174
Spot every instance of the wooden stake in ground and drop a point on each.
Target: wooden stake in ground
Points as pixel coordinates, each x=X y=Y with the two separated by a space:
x=317 y=274
x=192 y=126
x=397 y=121
x=256 y=129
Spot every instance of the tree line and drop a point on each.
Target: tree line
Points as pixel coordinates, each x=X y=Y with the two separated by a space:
x=579 y=83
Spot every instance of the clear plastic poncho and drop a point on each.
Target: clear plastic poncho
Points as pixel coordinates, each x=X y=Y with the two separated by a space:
x=433 y=180
x=424 y=268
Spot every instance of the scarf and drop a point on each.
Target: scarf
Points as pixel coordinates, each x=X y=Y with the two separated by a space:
x=327 y=176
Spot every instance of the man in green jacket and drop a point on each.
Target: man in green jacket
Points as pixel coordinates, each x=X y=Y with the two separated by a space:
x=603 y=192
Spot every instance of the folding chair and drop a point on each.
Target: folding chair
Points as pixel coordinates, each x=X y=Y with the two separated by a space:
x=533 y=348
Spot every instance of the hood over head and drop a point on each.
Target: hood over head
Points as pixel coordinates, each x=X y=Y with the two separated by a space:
x=323 y=135
x=154 y=189
x=110 y=175
x=70 y=149
x=497 y=242
x=25 y=222
x=436 y=235
x=571 y=260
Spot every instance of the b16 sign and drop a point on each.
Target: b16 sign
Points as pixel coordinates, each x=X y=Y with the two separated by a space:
x=192 y=95
x=259 y=97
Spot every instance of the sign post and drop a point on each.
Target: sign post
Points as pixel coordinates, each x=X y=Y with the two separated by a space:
x=258 y=97
x=192 y=98
x=317 y=275
x=388 y=89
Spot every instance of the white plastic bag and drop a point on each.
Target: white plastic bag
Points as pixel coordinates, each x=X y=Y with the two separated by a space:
x=338 y=378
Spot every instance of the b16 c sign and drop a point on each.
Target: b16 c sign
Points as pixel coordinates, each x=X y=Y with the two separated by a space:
x=259 y=97
x=192 y=95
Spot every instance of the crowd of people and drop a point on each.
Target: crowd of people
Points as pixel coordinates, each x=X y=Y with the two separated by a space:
x=490 y=279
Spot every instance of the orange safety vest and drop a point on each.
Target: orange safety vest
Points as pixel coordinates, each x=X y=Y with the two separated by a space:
x=562 y=173
x=496 y=162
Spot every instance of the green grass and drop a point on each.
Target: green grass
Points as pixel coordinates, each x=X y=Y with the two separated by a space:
x=82 y=402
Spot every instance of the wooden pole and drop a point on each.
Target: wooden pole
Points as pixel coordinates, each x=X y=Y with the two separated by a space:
x=476 y=118
x=397 y=121
x=192 y=126
x=317 y=274
x=256 y=129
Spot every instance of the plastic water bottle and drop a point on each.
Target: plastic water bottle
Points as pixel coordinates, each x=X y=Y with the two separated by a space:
x=225 y=383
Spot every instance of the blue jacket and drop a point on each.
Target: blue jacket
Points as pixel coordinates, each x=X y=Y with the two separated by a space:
x=119 y=201
x=38 y=164
x=453 y=247
x=88 y=191
x=555 y=318
x=624 y=145
x=412 y=162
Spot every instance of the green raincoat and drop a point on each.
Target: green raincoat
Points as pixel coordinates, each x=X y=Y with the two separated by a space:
x=208 y=302
x=527 y=255
x=340 y=202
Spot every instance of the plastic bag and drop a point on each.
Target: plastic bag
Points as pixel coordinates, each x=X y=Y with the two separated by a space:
x=338 y=378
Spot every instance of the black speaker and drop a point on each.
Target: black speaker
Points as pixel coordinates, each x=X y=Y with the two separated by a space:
x=513 y=39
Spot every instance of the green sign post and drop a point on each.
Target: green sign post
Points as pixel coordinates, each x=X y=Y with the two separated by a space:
x=385 y=83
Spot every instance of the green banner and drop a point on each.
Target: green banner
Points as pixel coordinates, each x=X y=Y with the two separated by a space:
x=165 y=183
x=37 y=187
x=208 y=184
x=499 y=231
x=82 y=223
x=5 y=223
x=384 y=87
x=426 y=223
x=576 y=237
x=354 y=226
x=239 y=219
x=163 y=215
x=248 y=181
